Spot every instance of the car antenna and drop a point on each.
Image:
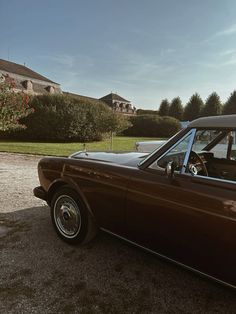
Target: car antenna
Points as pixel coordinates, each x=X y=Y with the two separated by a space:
x=85 y=150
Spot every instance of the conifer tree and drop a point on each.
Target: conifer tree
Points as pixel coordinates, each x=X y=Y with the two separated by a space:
x=213 y=106
x=230 y=105
x=176 y=109
x=164 y=108
x=193 y=108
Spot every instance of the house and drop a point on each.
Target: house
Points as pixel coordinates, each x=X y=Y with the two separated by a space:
x=27 y=80
x=33 y=83
x=114 y=101
x=119 y=104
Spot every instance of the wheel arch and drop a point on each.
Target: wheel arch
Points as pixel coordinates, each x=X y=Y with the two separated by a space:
x=53 y=188
x=60 y=183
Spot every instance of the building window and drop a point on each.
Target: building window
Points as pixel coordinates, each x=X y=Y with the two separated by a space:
x=51 y=89
x=2 y=78
x=28 y=85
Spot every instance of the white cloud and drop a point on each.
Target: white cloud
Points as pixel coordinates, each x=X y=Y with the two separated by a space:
x=62 y=59
x=226 y=32
x=231 y=61
x=223 y=33
x=139 y=67
x=219 y=63
x=227 y=52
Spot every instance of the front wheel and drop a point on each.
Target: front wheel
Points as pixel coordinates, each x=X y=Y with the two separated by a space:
x=70 y=217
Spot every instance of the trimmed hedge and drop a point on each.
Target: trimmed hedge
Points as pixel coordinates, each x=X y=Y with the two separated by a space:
x=152 y=126
x=141 y=112
x=65 y=118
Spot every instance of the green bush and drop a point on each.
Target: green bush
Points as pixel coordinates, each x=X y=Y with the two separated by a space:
x=152 y=126
x=65 y=118
x=147 y=111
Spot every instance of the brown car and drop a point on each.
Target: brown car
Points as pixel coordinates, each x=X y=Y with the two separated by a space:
x=178 y=202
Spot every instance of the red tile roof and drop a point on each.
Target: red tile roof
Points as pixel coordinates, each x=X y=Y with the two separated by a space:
x=112 y=97
x=19 y=69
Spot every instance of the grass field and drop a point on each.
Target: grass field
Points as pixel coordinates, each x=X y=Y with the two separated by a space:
x=65 y=149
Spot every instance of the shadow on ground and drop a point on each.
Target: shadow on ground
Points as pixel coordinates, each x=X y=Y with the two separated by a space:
x=42 y=274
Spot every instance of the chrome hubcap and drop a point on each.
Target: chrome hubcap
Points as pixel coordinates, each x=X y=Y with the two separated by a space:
x=67 y=216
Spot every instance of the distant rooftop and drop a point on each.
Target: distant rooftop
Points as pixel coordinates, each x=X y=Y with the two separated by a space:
x=112 y=97
x=19 y=69
x=80 y=96
x=114 y=101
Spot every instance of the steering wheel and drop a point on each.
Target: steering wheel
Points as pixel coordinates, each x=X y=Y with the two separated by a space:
x=194 y=169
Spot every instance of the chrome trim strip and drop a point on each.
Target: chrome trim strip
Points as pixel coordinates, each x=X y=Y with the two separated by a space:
x=169 y=259
x=190 y=144
x=171 y=203
x=213 y=179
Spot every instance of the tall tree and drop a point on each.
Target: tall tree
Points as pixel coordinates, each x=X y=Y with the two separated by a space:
x=230 y=105
x=164 y=108
x=213 y=106
x=193 y=108
x=176 y=109
x=13 y=106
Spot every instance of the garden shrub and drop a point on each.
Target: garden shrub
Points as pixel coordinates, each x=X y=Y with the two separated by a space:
x=65 y=118
x=152 y=126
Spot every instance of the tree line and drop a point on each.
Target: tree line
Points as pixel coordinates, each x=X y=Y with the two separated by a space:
x=195 y=107
x=64 y=118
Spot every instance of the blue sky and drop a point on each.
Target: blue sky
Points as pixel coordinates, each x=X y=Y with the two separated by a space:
x=143 y=50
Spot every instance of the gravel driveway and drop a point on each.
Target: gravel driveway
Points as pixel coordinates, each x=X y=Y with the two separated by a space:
x=42 y=274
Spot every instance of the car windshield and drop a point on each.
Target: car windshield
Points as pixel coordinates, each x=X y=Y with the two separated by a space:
x=154 y=152
x=176 y=154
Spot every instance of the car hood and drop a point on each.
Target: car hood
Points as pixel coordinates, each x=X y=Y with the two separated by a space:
x=148 y=146
x=159 y=142
x=122 y=158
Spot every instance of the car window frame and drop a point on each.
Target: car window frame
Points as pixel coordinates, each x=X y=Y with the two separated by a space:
x=192 y=133
x=183 y=169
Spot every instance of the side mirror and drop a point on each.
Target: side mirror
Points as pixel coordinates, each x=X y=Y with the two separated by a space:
x=170 y=169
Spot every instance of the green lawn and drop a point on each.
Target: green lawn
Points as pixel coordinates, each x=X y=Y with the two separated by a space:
x=65 y=149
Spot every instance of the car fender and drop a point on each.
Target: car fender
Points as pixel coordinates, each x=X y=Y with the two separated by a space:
x=69 y=182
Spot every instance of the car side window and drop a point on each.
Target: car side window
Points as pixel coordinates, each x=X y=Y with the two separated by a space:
x=176 y=154
x=204 y=137
x=221 y=150
x=213 y=155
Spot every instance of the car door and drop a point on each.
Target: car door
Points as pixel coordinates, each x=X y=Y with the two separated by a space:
x=187 y=219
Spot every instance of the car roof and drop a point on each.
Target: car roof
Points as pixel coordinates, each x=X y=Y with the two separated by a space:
x=224 y=121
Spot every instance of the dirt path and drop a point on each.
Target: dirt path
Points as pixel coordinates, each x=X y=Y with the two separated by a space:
x=18 y=177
